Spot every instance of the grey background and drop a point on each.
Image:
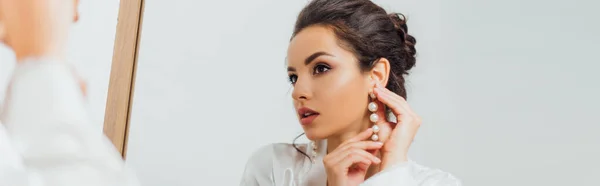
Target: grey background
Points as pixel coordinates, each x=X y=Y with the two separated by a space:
x=507 y=89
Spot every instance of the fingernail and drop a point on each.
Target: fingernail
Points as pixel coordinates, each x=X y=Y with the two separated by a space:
x=379 y=143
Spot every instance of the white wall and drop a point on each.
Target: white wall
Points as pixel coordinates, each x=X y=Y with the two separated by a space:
x=507 y=89
x=523 y=86
x=90 y=50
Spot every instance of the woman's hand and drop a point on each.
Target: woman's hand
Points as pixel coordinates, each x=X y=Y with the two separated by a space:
x=397 y=136
x=80 y=81
x=347 y=165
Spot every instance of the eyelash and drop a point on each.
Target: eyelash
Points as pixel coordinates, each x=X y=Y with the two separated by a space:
x=292 y=78
x=320 y=65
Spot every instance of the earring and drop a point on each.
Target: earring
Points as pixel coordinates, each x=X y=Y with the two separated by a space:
x=374 y=117
x=314 y=151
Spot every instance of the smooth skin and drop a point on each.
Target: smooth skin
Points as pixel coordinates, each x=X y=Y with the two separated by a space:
x=327 y=79
x=38 y=29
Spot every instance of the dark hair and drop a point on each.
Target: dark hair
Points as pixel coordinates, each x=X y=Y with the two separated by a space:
x=369 y=32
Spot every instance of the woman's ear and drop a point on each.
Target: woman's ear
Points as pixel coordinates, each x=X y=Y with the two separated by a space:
x=2 y=29
x=2 y=32
x=380 y=72
x=76 y=11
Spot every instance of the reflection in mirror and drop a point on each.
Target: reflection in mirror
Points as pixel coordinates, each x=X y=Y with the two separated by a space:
x=90 y=50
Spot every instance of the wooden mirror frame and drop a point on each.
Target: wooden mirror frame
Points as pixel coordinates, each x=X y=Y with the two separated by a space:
x=122 y=74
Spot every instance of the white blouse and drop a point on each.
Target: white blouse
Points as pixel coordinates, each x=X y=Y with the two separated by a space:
x=46 y=138
x=282 y=165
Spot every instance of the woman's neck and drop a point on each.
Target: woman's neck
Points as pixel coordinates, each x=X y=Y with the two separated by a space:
x=334 y=141
x=56 y=54
x=355 y=128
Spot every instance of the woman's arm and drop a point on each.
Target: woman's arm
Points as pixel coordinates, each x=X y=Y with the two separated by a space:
x=258 y=169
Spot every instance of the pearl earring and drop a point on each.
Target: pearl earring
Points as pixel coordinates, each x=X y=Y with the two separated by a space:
x=314 y=151
x=374 y=117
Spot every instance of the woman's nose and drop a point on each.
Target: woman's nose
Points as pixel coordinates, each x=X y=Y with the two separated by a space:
x=301 y=90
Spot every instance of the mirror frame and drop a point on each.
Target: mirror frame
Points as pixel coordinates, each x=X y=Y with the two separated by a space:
x=122 y=74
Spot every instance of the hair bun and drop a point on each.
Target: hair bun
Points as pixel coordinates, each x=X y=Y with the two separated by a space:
x=399 y=21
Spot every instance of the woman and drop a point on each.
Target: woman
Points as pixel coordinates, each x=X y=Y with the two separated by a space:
x=346 y=61
x=46 y=138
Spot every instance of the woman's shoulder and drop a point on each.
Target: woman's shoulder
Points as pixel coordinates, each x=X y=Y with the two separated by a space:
x=277 y=152
x=412 y=173
x=429 y=174
x=265 y=160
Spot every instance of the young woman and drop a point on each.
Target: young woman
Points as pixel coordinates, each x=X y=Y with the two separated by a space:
x=346 y=61
x=46 y=138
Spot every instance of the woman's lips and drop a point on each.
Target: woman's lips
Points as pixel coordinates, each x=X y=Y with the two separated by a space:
x=307 y=116
x=308 y=120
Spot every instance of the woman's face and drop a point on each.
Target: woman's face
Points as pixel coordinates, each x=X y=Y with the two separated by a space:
x=330 y=91
x=20 y=20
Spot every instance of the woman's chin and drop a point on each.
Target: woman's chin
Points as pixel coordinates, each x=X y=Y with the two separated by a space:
x=314 y=135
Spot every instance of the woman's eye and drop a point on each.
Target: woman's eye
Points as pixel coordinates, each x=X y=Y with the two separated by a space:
x=292 y=78
x=320 y=68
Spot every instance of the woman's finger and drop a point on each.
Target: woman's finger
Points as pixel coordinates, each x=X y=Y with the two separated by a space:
x=409 y=113
x=364 y=146
x=364 y=158
x=391 y=103
x=396 y=98
x=360 y=137
x=385 y=127
x=408 y=121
